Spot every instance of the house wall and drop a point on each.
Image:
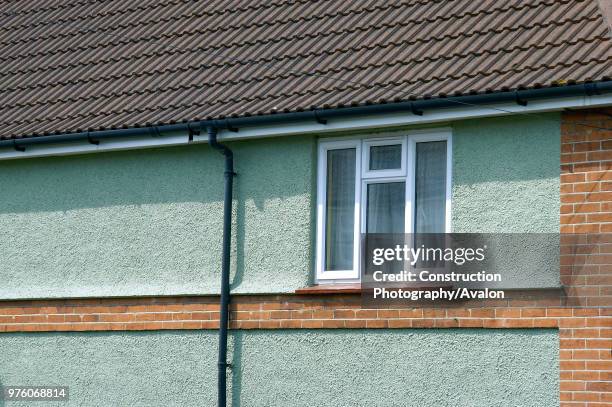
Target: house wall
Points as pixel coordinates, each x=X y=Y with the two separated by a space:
x=292 y=368
x=506 y=175
x=582 y=318
x=149 y=222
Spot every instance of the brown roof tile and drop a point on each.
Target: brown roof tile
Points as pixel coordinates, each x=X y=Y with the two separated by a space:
x=79 y=64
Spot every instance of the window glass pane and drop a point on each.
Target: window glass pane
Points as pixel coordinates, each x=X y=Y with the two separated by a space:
x=430 y=187
x=386 y=157
x=386 y=203
x=340 y=209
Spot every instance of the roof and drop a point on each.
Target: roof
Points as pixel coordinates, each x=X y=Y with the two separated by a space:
x=74 y=65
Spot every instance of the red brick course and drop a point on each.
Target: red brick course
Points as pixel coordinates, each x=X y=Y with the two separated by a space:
x=276 y=311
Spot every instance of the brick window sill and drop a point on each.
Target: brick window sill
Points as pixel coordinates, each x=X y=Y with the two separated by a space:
x=331 y=289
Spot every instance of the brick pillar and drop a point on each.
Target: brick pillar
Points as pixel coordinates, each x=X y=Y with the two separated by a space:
x=586 y=211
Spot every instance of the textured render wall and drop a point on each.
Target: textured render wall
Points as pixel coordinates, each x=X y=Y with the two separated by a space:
x=149 y=222
x=506 y=180
x=298 y=368
x=506 y=175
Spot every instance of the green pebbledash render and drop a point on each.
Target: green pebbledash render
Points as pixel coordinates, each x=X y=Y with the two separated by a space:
x=147 y=222
x=323 y=368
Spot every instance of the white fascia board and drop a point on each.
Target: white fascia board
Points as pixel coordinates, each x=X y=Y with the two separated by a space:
x=336 y=125
x=84 y=147
x=429 y=117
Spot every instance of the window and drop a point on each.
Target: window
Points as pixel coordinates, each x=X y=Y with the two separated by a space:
x=398 y=184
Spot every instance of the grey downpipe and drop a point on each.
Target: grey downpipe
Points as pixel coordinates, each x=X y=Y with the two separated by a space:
x=225 y=265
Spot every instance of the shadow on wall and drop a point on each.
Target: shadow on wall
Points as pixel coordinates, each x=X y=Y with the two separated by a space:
x=502 y=149
x=237 y=369
x=72 y=218
x=506 y=149
x=506 y=175
x=242 y=190
x=145 y=177
x=238 y=227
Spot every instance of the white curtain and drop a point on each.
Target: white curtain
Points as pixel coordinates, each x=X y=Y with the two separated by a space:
x=430 y=187
x=386 y=207
x=385 y=157
x=340 y=209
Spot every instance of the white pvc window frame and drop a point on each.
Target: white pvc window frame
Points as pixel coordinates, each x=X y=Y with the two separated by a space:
x=324 y=147
x=364 y=177
x=383 y=141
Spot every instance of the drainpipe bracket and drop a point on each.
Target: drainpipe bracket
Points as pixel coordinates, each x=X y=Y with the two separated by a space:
x=18 y=147
x=192 y=132
x=518 y=99
x=155 y=131
x=230 y=127
x=92 y=141
x=415 y=111
x=591 y=89
x=318 y=118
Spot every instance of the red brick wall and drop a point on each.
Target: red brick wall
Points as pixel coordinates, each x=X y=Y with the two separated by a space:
x=586 y=207
x=585 y=327
x=586 y=172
